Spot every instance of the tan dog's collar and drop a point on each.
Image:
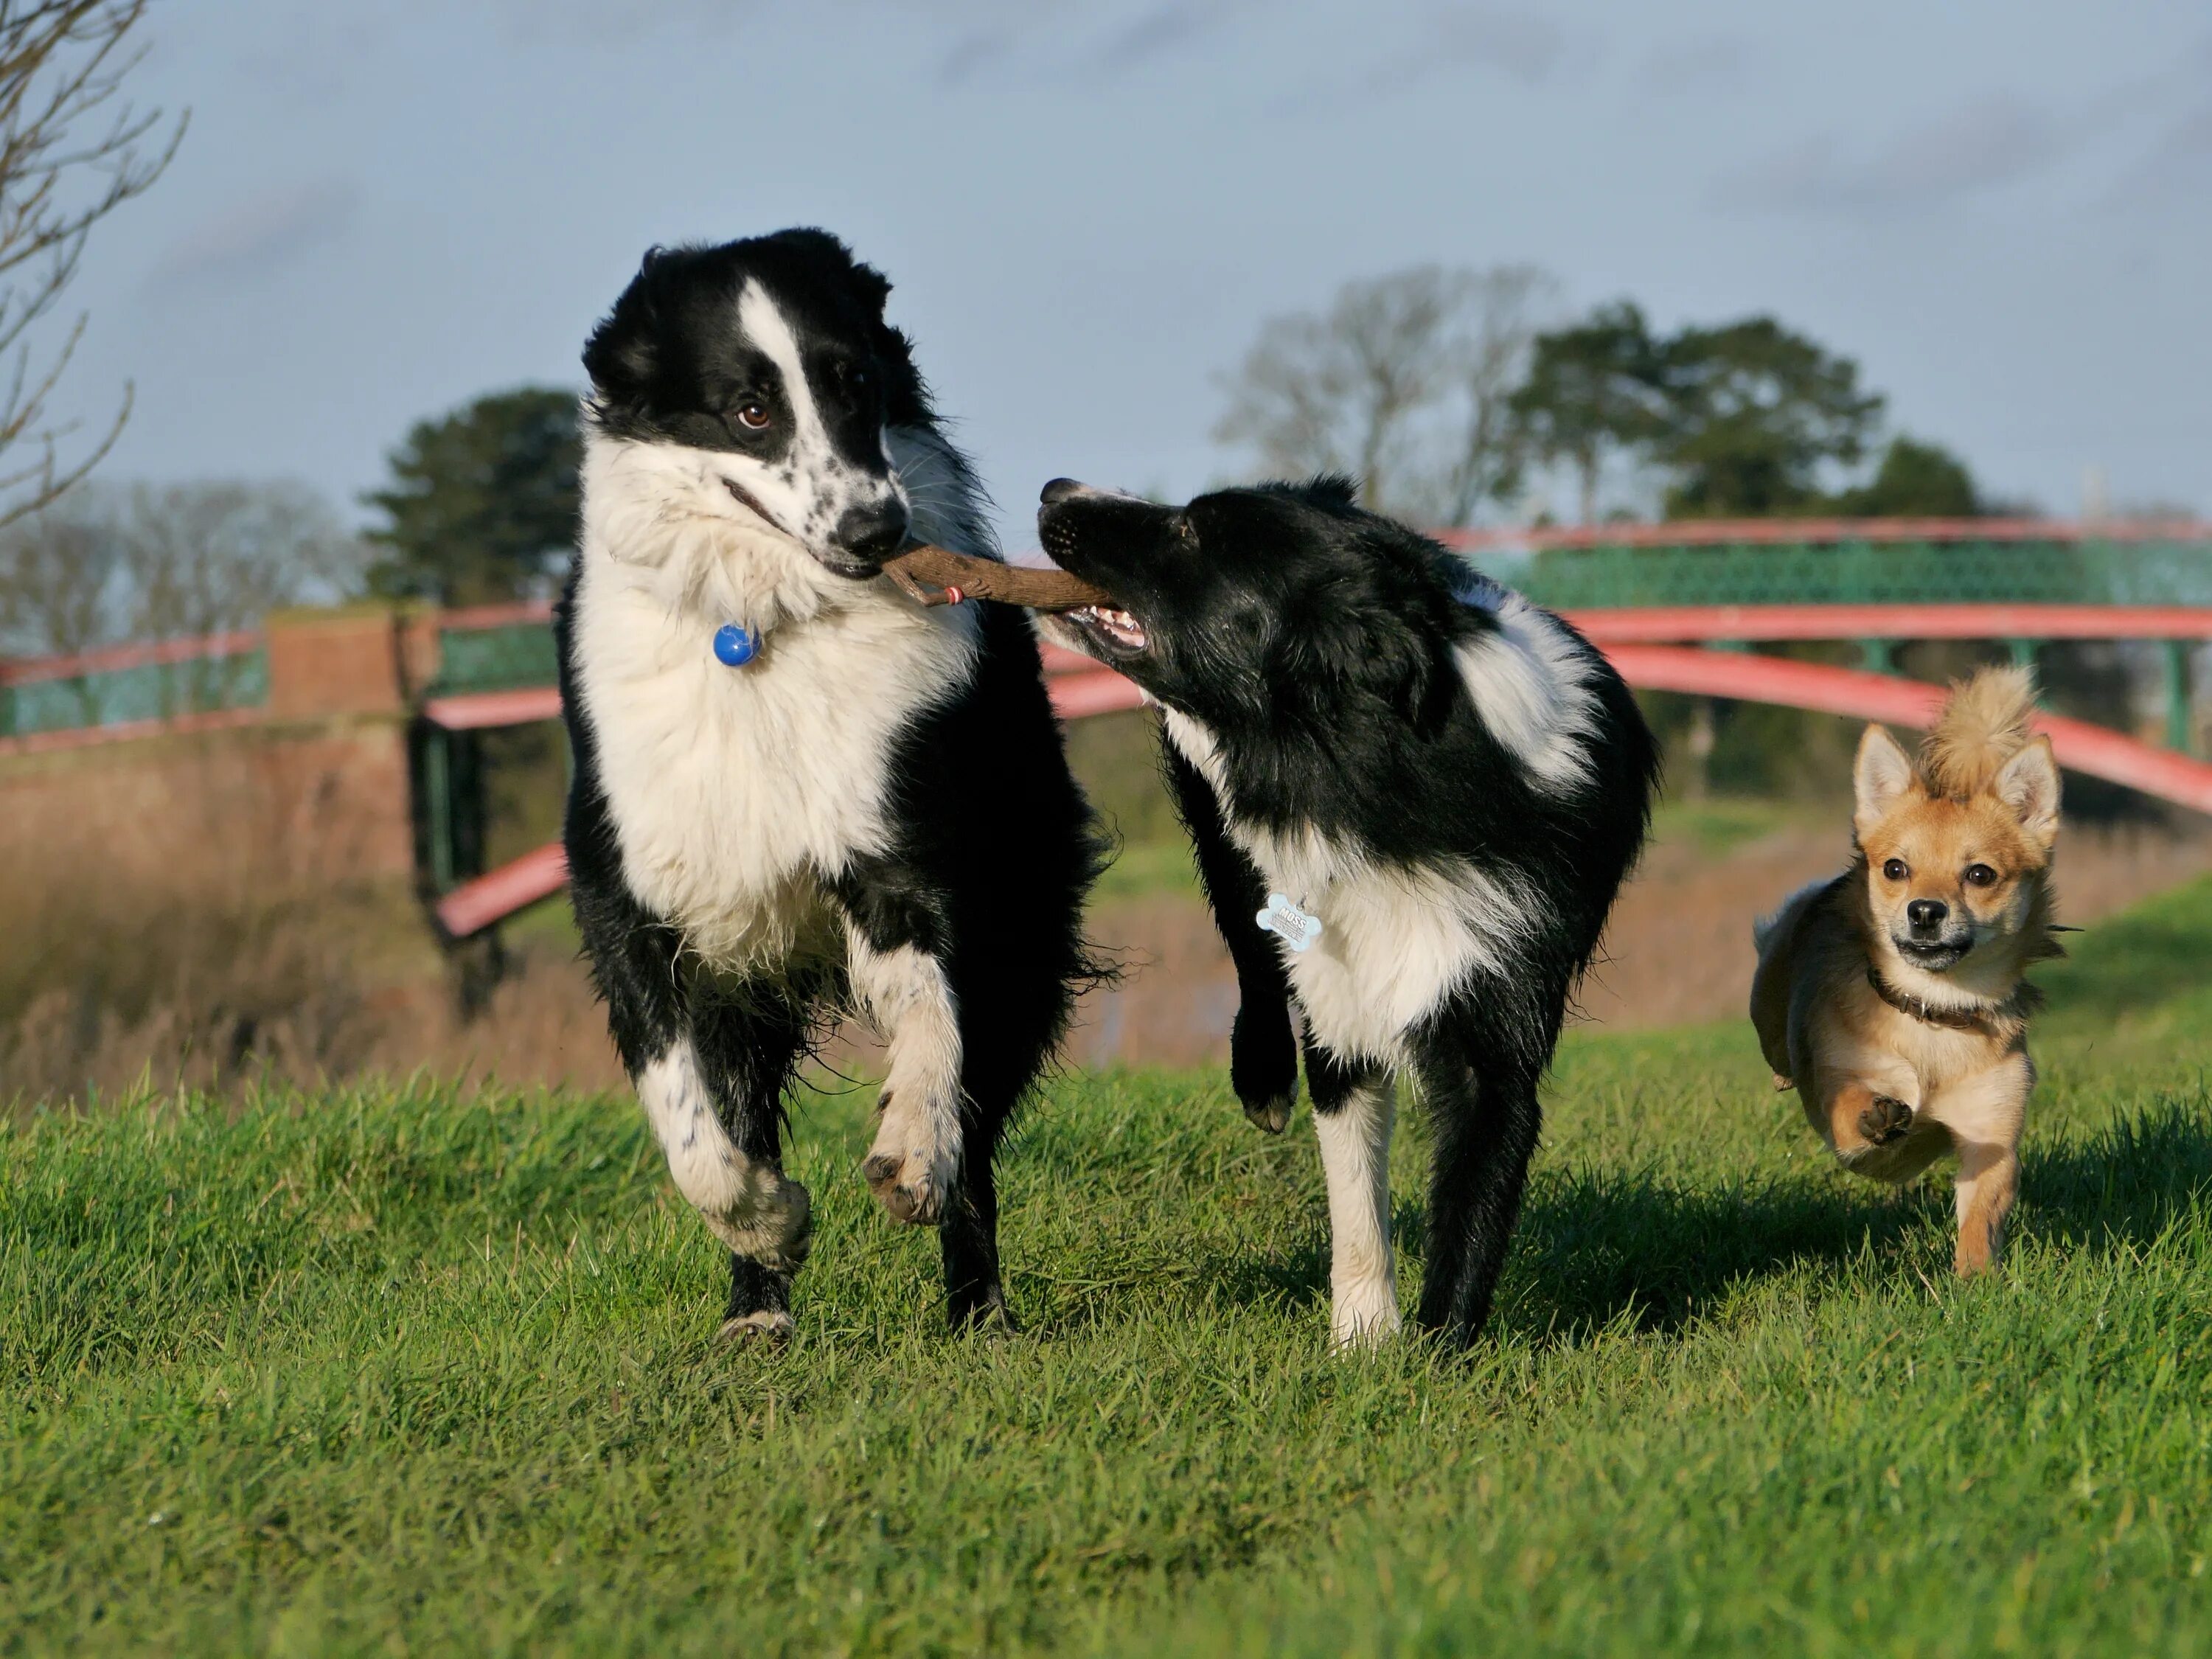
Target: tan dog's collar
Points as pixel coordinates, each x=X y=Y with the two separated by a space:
x=1999 y=1019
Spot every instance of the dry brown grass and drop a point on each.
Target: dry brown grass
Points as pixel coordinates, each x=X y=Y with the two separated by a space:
x=157 y=924
x=208 y=911
x=1678 y=952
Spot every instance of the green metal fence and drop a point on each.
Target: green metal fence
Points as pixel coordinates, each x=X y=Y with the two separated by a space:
x=133 y=686
x=2173 y=570
x=506 y=657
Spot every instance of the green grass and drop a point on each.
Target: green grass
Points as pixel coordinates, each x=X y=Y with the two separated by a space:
x=1720 y=824
x=385 y=1370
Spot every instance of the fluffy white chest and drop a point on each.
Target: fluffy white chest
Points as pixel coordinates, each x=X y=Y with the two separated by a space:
x=734 y=790
x=1395 y=939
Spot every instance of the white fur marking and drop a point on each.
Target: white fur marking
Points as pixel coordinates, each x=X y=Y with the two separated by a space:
x=906 y=994
x=1396 y=938
x=1355 y=1157
x=811 y=486
x=733 y=793
x=1529 y=682
x=748 y=1206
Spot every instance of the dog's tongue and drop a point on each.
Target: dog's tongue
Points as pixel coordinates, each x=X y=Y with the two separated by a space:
x=937 y=575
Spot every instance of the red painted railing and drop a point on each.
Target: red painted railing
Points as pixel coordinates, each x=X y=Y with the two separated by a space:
x=1653 y=647
x=1079 y=688
x=1857 y=695
x=27 y=670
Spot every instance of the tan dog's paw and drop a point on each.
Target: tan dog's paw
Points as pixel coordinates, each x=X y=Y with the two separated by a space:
x=1885 y=1119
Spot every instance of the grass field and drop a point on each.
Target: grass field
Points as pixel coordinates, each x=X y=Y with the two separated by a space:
x=390 y=1370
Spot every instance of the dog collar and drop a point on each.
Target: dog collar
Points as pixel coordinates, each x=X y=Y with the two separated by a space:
x=1998 y=1019
x=735 y=645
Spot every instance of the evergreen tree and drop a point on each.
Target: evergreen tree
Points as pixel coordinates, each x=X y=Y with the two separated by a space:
x=1915 y=481
x=1753 y=414
x=483 y=502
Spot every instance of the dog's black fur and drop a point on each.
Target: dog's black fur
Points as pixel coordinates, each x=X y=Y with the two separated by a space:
x=1314 y=642
x=987 y=846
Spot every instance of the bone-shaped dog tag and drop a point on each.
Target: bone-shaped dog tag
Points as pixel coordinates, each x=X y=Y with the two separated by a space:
x=1288 y=923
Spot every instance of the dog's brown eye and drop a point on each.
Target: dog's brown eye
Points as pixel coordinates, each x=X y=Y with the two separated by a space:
x=754 y=418
x=1980 y=875
x=1895 y=869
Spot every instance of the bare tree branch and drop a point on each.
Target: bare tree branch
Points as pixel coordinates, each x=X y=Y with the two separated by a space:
x=1401 y=384
x=1504 y=309
x=73 y=149
x=111 y=562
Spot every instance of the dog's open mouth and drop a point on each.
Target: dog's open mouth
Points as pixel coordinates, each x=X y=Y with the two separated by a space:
x=1932 y=955
x=1109 y=625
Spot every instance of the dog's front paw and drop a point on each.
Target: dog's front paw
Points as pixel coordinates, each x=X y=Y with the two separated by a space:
x=914 y=1161
x=983 y=1313
x=767 y=1327
x=911 y=1188
x=1885 y=1119
x=1272 y=1116
x=1263 y=1069
x=771 y=1222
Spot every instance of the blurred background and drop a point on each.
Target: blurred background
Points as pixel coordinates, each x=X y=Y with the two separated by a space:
x=1655 y=310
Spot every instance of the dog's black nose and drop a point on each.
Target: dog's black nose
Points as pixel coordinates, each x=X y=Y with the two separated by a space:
x=1061 y=489
x=1926 y=914
x=873 y=532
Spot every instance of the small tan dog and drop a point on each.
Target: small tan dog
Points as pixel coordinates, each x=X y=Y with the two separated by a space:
x=1891 y=998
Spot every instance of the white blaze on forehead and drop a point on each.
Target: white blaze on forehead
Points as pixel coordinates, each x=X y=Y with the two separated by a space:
x=807 y=490
x=770 y=331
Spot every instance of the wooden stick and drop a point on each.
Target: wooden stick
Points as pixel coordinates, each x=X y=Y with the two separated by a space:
x=937 y=575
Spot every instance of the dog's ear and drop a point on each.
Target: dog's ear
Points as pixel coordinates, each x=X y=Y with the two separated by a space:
x=829 y=253
x=623 y=352
x=873 y=286
x=2028 y=784
x=620 y=360
x=1881 y=776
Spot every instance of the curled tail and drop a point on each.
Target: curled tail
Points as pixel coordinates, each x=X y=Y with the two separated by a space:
x=1983 y=723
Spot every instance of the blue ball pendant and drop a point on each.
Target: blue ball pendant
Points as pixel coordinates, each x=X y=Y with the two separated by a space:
x=735 y=645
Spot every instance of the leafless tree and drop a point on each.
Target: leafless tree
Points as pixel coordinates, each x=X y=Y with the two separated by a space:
x=146 y=561
x=1403 y=383
x=1501 y=310
x=210 y=558
x=73 y=149
x=57 y=590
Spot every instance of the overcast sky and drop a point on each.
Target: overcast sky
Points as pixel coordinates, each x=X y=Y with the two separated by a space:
x=2002 y=209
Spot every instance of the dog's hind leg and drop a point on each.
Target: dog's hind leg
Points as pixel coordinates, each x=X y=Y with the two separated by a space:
x=1483 y=1116
x=967 y=1239
x=1011 y=1008
x=1353 y=1110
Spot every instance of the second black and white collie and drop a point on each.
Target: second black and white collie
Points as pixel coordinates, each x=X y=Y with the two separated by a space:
x=794 y=787
x=1413 y=796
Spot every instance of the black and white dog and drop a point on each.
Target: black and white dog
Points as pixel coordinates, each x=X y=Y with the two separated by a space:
x=793 y=785
x=1432 y=790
